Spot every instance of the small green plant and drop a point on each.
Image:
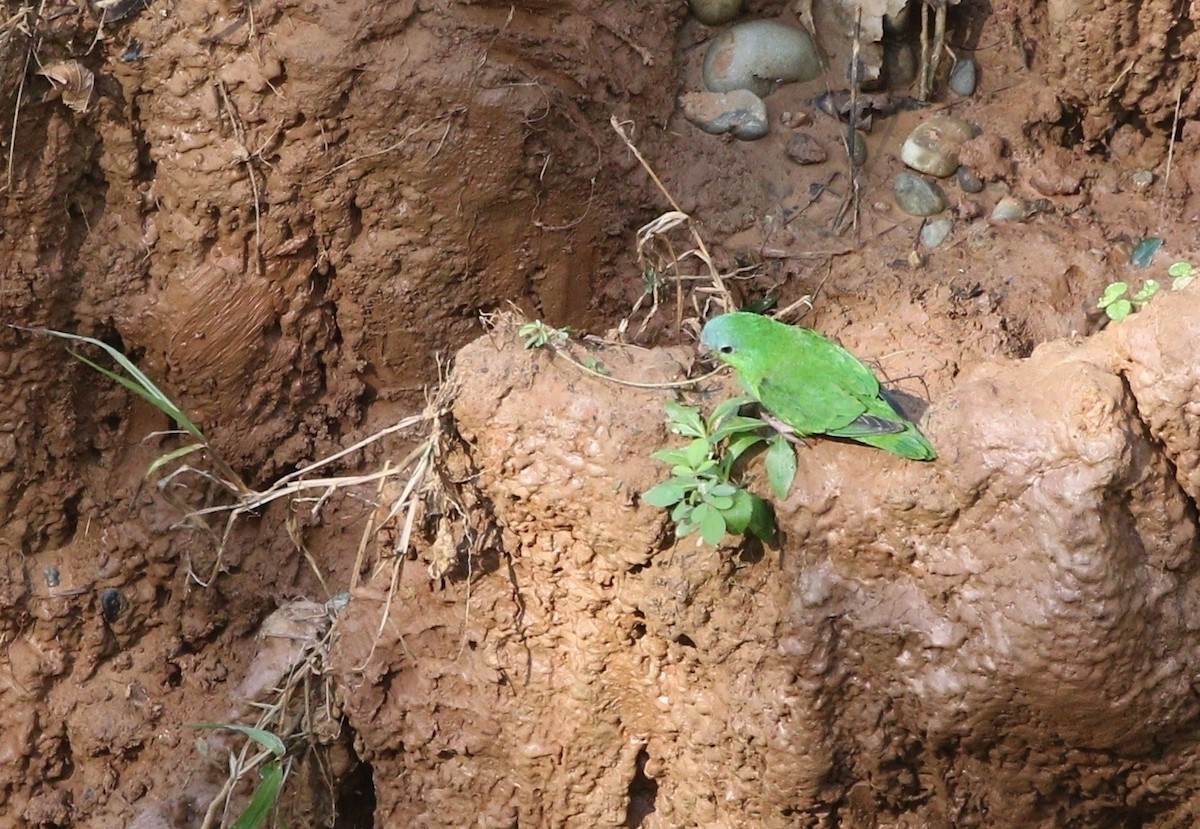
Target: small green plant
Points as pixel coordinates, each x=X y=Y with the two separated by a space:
x=701 y=492
x=1118 y=303
x=538 y=334
x=136 y=381
x=1182 y=274
x=242 y=499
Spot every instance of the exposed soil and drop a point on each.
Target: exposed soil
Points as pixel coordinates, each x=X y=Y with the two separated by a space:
x=295 y=216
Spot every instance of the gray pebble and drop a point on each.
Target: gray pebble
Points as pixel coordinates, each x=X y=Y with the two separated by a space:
x=963 y=77
x=1010 y=209
x=802 y=148
x=51 y=576
x=918 y=197
x=739 y=112
x=933 y=146
x=715 y=12
x=757 y=54
x=968 y=181
x=935 y=231
x=1141 y=179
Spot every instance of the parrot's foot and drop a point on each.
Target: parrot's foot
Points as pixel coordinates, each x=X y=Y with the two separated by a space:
x=789 y=433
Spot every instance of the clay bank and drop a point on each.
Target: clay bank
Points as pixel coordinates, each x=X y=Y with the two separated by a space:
x=389 y=562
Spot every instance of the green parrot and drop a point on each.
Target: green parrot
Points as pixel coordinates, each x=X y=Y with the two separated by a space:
x=810 y=384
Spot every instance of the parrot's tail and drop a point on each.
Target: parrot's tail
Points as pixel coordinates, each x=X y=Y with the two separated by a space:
x=909 y=444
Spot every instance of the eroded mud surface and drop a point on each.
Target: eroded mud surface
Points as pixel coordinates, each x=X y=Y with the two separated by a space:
x=1003 y=638
x=288 y=212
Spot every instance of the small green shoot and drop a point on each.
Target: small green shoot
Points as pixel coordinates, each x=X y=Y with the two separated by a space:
x=266 y=793
x=1182 y=274
x=136 y=381
x=701 y=492
x=1113 y=301
x=1118 y=304
x=595 y=365
x=538 y=334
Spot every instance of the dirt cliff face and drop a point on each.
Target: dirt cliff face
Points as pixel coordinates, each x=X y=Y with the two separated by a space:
x=293 y=214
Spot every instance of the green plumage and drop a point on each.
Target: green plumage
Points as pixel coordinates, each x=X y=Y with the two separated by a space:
x=811 y=384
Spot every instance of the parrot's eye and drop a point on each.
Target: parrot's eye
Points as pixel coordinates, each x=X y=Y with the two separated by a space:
x=726 y=349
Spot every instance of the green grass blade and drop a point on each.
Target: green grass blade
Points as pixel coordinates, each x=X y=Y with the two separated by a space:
x=140 y=384
x=266 y=739
x=163 y=460
x=263 y=800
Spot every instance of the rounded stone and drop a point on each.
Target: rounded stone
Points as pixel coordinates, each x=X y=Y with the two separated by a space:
x=757 y=54
x=968 y=180
x=740 y=112
x=963 y=77
x=715 y=12
x=1010 y=209
x=918 y=197
x=932 y=147
x=935 y=231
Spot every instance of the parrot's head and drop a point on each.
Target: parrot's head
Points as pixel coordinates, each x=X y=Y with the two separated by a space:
x=729 y=337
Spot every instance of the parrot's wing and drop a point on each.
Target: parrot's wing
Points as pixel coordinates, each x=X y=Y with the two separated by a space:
x=809 y=408
x=821 y=388
x=841 y=367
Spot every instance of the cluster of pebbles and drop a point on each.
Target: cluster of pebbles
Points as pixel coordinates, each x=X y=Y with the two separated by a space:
x=742 y=66
x=746 y=61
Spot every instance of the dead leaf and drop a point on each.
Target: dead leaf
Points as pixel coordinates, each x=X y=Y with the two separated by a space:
x=74 y=82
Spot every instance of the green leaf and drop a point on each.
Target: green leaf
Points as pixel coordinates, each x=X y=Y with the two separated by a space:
x=727 y=408
x=762 y=519
x=781 y=466
x=1143 y=251
x=687 y=525
x=265 y=796
x=163 y=460
x=712 y=527
x=737 y=447
x=665 y=494
x=697 y=452
x=538 y=334
x=1149 y=288
x=736 y=425
x=718 y=502
x=266 y=739
x=1181 y=282
x=738 y=515
x=684 y=420
x=681 y=512
x=1119 y=310
x=675 y=457
x=137 y=382
x=1112 y=293
x=724 y=490
x=595 y=365
x=1181 y=269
